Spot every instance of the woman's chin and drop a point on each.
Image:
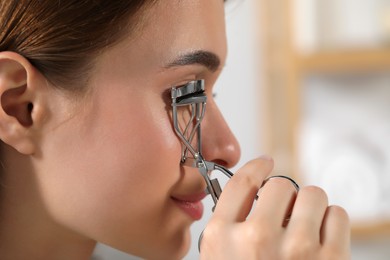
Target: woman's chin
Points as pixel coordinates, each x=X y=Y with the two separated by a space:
x=171 y=249
x=179 y=248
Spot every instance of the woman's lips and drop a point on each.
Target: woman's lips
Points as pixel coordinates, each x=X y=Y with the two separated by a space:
x=192 y=205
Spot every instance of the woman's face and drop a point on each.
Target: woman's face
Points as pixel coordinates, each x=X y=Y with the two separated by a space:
x=110 y=166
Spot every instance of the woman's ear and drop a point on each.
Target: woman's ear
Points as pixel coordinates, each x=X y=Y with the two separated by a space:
x=19 y=95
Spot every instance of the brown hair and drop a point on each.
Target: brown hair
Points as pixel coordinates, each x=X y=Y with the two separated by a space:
x=60 y=38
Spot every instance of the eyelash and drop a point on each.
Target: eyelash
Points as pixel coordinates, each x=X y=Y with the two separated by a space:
x=214 y=95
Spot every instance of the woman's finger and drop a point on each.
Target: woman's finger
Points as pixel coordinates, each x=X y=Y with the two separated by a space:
x=335 y=233
x=308 y=214
x=239 y=193
x=275 y=203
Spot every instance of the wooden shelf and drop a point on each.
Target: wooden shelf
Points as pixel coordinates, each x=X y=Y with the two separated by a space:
x=367 y=230
x=285 y=71
x=345 y=61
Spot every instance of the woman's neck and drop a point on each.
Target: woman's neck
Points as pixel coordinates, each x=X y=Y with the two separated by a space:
x=27 y=231
x=34 y=241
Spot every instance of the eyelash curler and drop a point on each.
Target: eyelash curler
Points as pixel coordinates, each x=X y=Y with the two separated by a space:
x=192 y=96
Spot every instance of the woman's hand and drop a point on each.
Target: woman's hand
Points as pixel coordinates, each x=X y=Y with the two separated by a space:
x=283 y=224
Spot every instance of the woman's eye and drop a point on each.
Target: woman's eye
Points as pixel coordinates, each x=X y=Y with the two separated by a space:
x=182 y=84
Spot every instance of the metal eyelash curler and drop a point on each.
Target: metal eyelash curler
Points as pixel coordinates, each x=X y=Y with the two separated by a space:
x=193 y=97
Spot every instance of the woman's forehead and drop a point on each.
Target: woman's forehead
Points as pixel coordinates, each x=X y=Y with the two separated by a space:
x=180 y=26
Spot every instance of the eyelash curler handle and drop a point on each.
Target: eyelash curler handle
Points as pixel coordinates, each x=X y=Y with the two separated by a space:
x=216 y=188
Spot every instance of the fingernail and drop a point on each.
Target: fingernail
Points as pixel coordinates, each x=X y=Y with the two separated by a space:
x=266 y=157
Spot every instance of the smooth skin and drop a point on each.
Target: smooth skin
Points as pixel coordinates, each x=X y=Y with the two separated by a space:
x=104 y=165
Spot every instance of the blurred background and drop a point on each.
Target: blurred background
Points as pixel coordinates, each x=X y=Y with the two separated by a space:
x=308 y=82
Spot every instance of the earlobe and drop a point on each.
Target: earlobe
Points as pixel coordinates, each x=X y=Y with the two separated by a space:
x=16 y=102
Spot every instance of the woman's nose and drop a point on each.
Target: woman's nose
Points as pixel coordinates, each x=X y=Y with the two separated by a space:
x=219 y=144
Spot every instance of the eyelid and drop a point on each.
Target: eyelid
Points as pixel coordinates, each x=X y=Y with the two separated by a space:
x=183 y=82
x=214 y=94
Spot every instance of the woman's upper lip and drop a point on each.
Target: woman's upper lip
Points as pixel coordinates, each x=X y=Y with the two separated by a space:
x=194 y=197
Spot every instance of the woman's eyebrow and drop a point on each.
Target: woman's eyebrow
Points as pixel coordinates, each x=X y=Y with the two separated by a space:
x=205 y=58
